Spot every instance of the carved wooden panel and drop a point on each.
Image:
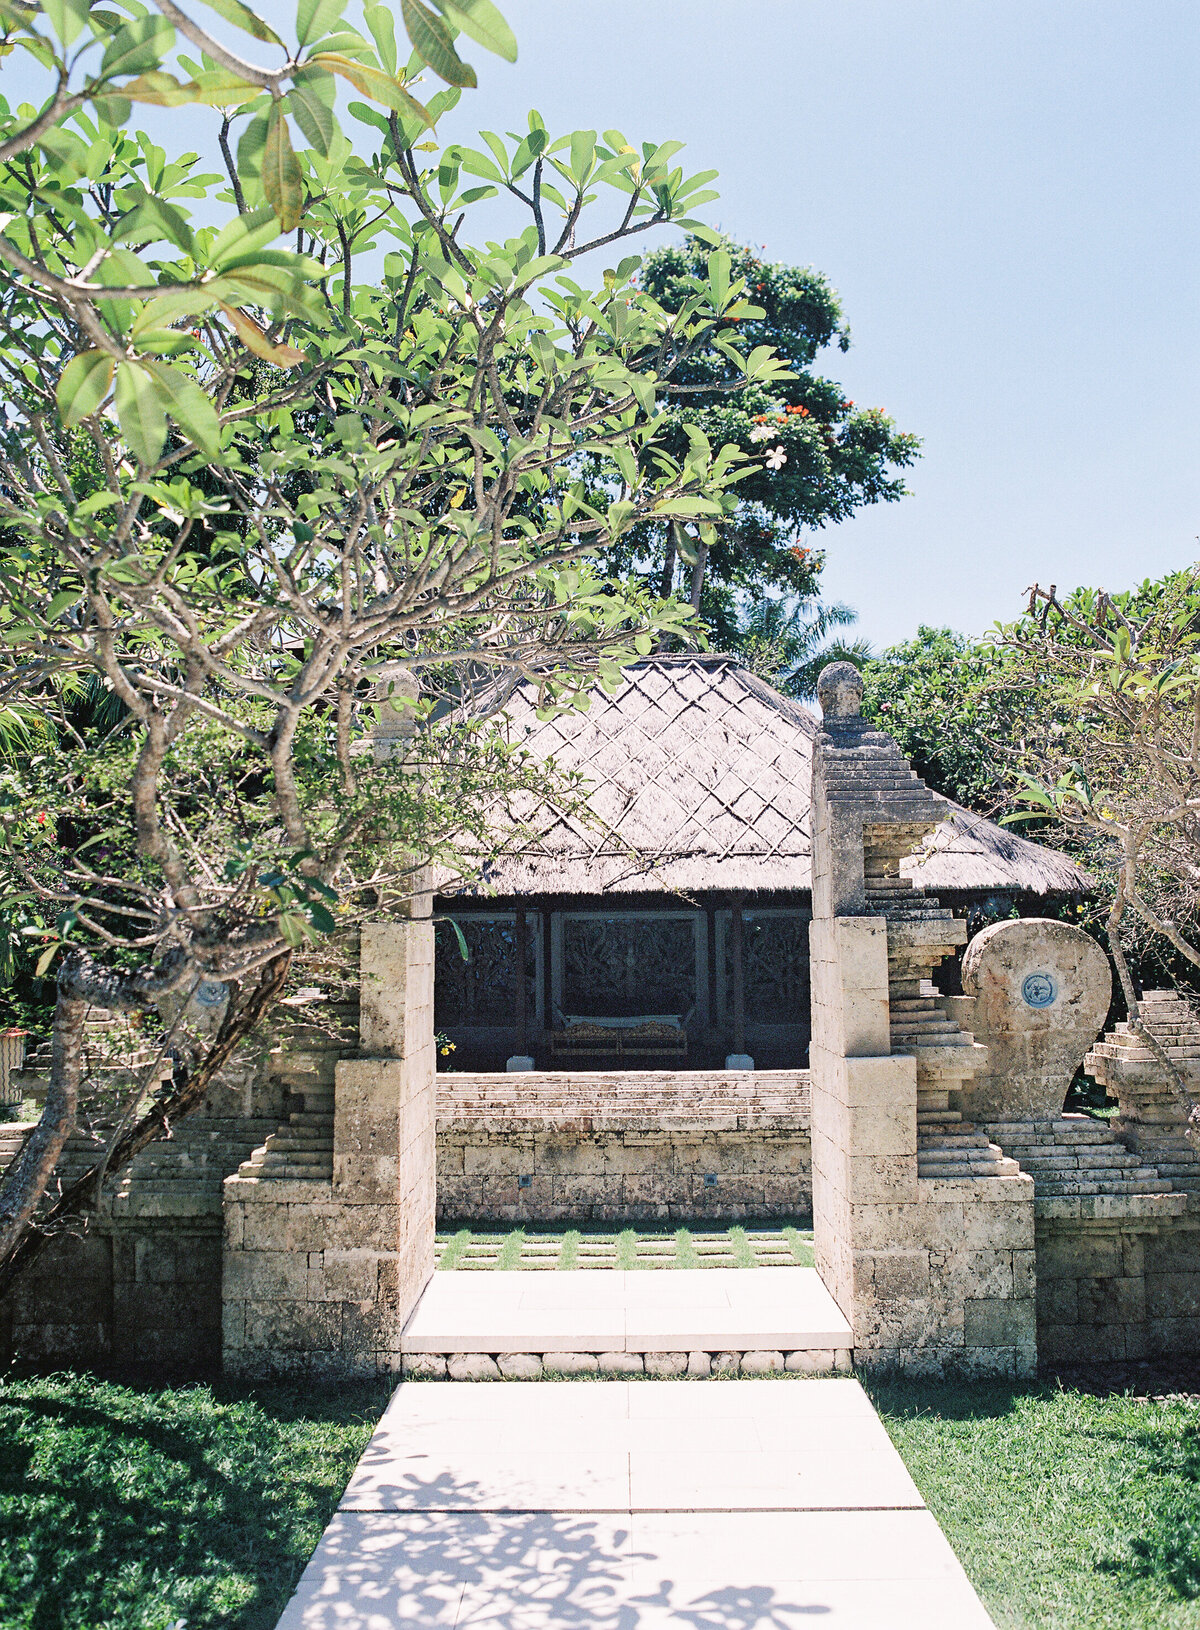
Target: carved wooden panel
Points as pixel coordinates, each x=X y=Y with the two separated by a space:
x=774 y=964
x=481 y=991
x=615 y=967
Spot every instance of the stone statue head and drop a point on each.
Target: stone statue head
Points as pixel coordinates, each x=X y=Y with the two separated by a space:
x=840 y=691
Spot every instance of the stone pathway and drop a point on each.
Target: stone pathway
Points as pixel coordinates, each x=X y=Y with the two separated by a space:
x=700 y=1314
x=644 y=1505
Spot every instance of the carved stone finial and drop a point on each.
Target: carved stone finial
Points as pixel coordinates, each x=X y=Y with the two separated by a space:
x=840 y=691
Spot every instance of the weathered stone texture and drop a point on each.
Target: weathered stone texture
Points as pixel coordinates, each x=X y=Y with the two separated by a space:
x=327 y=1253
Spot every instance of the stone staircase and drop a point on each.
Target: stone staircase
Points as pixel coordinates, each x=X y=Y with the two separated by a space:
x=302 y=1147
x=1076 y=1161
x=1153 y=1120
x=920 y=934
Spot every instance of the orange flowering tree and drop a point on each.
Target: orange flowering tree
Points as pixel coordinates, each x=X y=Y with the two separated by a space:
x=817 y=456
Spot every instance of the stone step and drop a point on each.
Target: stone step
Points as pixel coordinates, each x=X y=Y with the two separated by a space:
x=1158 y=1186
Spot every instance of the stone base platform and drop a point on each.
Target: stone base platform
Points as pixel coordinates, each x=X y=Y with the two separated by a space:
x=517 y=1325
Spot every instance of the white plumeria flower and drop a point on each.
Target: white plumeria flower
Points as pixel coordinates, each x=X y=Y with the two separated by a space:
x=776 y=459
x=762 y=432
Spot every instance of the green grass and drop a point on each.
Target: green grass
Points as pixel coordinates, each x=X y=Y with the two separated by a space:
x=752 y=1246
x=1069 y=1512
x=143 y=1508
x=138 y=1508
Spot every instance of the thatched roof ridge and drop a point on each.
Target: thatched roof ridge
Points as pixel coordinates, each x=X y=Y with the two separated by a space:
x=701 y=779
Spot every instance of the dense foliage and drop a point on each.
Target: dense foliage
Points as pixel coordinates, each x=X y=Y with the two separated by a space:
x=265 y=496
x=818 y=457
x=943 y=698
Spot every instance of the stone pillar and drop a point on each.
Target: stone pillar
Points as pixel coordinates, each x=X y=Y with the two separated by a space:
x=321 y=1272
x=923 y=1231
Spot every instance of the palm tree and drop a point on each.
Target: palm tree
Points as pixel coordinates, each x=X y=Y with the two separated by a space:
x=785 y=640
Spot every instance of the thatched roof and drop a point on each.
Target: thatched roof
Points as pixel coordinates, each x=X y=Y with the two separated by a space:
x=700 y=775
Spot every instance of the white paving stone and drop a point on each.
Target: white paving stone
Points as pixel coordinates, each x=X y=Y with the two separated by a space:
x=684 y=1310
x=758 y=1504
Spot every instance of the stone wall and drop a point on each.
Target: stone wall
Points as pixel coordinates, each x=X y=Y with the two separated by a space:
x=923 y=1230
x=329 y=1228
x=143 y=1284
x=623 y=1147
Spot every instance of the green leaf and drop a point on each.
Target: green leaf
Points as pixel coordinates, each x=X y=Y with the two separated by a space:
x=480 y=21
x=60 y=603
x=243 y=236
x=83 y=385
x=314 y=18
x=311 y=101
x=687 y=506
x=141 y=411
x=141 y=44
x=242 y=17
x=46 y=958
x=463 y=948
x=321 y=917
x=191 y=408
x=67 y=17
x=282 y=177
x=383 y=32
x=373 y=82
x=432 y=40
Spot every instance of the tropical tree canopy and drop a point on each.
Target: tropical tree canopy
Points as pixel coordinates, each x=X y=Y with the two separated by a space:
x=253 y=494
x=818 y=457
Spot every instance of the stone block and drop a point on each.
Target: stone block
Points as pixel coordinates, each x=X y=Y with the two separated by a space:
x=266 y=1275
x=666 y=1365
x=897 y=1276
x=811 y=1361
x=424 y=1367
x=472 y=1367
x=999 y=1227
x=571 y=1363
x=1173 y=1295
x=699 y=1366
x=520 y=1366
x=761 y=1363
x=622 y=1363
x=994 y=1322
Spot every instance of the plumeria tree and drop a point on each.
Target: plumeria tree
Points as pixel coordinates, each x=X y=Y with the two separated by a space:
x=285 y=448
x=1110 y=750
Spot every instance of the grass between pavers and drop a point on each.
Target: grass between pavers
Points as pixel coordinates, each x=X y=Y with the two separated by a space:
x=1068 y=1511
x=748 y=1246
x=129 y=1507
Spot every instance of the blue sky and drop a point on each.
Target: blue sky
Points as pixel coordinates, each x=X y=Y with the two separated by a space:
x=1005 y=196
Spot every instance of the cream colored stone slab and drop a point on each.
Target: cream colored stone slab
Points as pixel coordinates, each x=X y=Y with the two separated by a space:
x=514 y=1330
x=547 y=1571
x=545 y=1292
x=467 y=1478
x=747 y=1546
x=839 y=1604
x=812 y=1480
x=770 y=1402
x=409 y=1571
x=737 y=1330
x=417 y=1404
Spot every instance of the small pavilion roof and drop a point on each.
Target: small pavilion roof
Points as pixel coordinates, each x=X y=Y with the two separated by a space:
x=700 y=777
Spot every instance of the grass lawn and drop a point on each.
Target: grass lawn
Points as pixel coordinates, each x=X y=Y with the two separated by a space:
x=1068 y=1511
x=147 y=1508
x=195 y=1508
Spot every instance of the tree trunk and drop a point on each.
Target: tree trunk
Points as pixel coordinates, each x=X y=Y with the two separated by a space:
x=24 y=1245
x=29 y=1175
x=669 y=558
x=698 y=571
